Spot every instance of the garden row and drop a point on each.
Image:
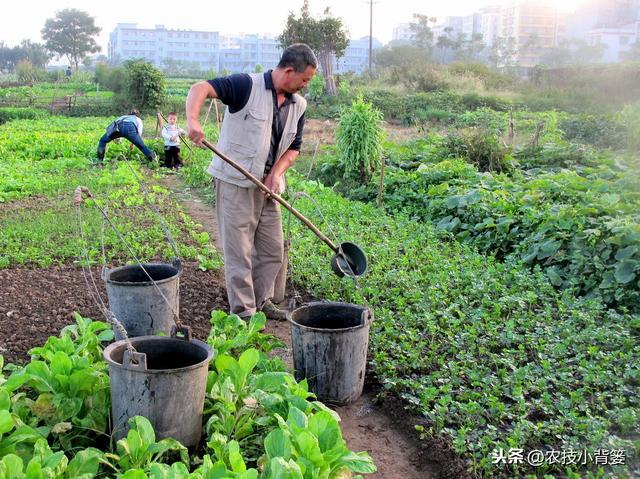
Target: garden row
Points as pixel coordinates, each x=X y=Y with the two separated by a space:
x=569 y=209
x=43 y=161
x=490 y=355
x=259 y=422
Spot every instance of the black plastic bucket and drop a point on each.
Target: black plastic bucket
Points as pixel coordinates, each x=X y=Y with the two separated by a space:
x=136 y=302
x=330 y=341
x=168 y=390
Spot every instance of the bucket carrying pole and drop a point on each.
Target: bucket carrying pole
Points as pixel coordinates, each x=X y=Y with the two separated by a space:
x=275 y=196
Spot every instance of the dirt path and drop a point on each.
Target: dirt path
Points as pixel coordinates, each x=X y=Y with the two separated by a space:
x=367 y=424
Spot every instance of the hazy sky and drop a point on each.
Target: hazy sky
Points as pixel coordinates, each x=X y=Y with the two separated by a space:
x=25 y=18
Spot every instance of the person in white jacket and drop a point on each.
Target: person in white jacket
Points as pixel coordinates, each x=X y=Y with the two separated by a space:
x=171 y=133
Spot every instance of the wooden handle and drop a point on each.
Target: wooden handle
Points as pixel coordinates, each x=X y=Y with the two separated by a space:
x=275 y=196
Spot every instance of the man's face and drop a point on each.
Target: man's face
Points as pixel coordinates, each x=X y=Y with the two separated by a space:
x=294 y=81
x=172 y=119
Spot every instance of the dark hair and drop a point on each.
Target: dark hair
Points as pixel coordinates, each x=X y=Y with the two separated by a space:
x=134 y=111
x=298 y=56
x=171 y=113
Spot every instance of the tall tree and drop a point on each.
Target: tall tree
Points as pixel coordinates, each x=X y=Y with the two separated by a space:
x=71 y=34
x=326 y=36
x=421 y=32
x=36 y=53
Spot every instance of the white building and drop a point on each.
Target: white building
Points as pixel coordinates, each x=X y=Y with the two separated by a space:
x=402 y=32
x=356 y=56
x=490 y=24
x=243 y=53
x=616 y=39
x=154 y=45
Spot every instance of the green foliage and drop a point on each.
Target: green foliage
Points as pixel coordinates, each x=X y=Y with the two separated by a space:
x=630 y=116
x=325 y=35
x=71 y=34
x=144 y=86
x=359 y=139
x=483 y=149
x=602 y=131
x=316 y=87
x=490 y=355
x=9 y=114
x=26 y=72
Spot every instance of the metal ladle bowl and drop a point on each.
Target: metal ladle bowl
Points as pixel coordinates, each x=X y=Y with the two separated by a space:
x=350 y=260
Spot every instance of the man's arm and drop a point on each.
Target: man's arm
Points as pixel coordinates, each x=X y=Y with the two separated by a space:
x=198 y=93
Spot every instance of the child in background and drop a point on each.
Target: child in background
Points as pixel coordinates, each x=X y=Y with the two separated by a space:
x=171 y=133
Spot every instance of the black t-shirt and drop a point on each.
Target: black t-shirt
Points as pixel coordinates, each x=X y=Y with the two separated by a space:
x=234 y=91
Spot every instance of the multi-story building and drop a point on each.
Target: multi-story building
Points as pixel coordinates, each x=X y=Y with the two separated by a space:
x=617 y=40
x=534 y=26
x=159 y=45
x=471 y=24
x=402 y=33
x=243 y=53
x=356 y=56
x=490 y=24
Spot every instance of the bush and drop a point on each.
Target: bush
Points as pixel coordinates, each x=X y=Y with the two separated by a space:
x=359 y=139
x=145 y=87
x=603 y=131
x=9 y=114
x=630 y=116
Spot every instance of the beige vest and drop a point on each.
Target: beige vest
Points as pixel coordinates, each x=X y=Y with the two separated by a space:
x=245 y=136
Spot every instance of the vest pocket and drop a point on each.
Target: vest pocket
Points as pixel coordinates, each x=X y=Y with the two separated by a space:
x=241 y=154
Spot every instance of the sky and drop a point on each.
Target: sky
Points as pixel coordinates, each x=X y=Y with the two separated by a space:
x=25 y=18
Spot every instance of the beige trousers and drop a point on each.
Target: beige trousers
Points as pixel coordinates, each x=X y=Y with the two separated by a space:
x=250 y=232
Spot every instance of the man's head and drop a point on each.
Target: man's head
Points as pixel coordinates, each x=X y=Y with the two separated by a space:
x=297 y=66
x=172 y=117
x=134 y=111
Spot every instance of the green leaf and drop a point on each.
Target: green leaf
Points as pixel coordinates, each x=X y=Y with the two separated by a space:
x=13 y=466
x=626 y=253
x=277 y=444
x=307 y=446
x=297 y=417
x=359 y=462
x=625 y=271
x=553 y=276
x=84 y=462
x=134 y=474
x=6 y=422
x=144 y=428
x=248 y=360
x=235 y=458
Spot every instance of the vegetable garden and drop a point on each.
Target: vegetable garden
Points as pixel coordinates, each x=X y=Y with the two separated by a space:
x=504 y=272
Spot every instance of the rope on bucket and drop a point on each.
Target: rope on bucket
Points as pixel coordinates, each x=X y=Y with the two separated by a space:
x=92 y=287
x=78 y=201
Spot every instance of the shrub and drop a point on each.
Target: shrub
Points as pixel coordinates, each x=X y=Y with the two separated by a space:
x=145 y=87
x=602 y=131
x=359 y=139
x=9 y=114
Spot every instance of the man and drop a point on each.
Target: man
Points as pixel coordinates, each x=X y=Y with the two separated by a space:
x=262 y=131
x=129 y=127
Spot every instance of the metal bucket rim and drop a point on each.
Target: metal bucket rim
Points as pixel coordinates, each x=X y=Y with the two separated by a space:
x=106 y=354
x=333 y=330
x=141 y=283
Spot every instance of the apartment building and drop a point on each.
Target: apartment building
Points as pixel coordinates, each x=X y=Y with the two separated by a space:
x=155 y=45
x=241 y=54
x=356 y=56
x=490 y=24
x=535 y=28
x=617 y=40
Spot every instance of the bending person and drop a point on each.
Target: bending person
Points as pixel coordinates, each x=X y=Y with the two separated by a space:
x=129 y=127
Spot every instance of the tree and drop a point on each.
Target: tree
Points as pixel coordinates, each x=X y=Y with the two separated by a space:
x=71 y=34
x=422 y=33
x=35 y=53
x=145 y=86
x=326 y=36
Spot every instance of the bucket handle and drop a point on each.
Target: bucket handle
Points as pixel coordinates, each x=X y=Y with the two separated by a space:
x=181 y=332
x=367 y=316
x=134 y=360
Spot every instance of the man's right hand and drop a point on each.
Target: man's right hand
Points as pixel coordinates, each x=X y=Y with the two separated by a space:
x=195 y=132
